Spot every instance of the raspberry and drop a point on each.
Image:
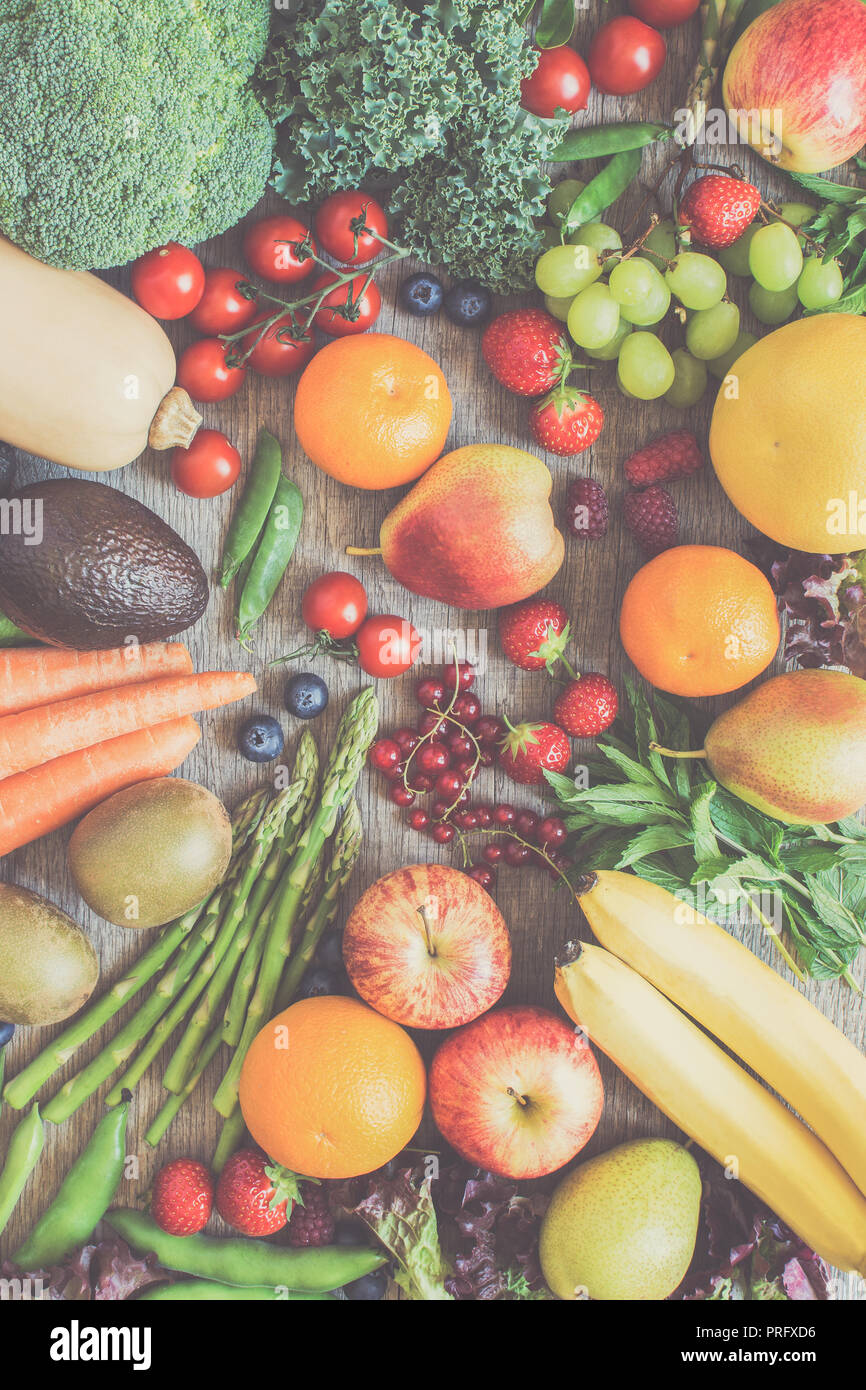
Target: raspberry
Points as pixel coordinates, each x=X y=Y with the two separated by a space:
x=586 y=509
x=312 y=1223
x=651 y=516
x=672 y=455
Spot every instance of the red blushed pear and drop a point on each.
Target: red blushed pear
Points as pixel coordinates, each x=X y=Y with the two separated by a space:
x=517 y=1092
x=427 y=947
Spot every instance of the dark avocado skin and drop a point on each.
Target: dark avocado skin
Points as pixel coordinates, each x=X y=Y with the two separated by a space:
x=108 y=569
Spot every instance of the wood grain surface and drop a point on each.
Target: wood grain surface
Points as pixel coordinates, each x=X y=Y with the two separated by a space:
x=590 y=585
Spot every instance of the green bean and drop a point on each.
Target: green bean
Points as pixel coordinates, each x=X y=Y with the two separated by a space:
x=603 y=190
x=83 y=1198
x=275 y=549
x=252 y=510
x=22 y=1155
x=595 y=142
x=205 y=1290
x=244 y=1261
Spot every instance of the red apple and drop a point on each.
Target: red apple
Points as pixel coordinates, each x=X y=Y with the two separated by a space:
x=427 y=947
x=518 y=1092
x=798 y=76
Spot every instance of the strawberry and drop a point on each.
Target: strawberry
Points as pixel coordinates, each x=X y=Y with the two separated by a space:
x=672 y=455
x=312 y=1222
x=534 y=633
x=587 y=706
x=651 y=516
x=718 y=209
x=527 y=351
x=182 y=1197
x=567 y=421
x=530 y=750
x=253 y=1194
x=586 y=509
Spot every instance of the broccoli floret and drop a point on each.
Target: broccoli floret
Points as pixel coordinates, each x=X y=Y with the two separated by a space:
x=128 y=123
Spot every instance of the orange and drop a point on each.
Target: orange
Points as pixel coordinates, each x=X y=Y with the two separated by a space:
x=332 y=1089
x=372 y=410
x=699 y=620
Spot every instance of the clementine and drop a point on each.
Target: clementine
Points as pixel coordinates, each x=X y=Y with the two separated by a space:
x=372 y=410
x=699 y=620
x=331 y=1089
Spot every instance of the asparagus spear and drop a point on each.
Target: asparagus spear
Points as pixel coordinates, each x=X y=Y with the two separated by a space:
x=174 y=1103
x=230 y=1137
x=355 y=734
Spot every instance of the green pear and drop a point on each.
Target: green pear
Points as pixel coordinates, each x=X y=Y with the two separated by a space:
x=623 y=1225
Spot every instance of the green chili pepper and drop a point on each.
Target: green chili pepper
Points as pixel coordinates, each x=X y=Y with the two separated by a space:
x=595 y=142
x=252 y=510
x=603 y=190
x=22 y=1155
x=247 y=1262
x=275 y=549
x=205 y=1290
x=83 y=1198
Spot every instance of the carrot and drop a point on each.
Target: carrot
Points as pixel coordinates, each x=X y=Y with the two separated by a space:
x=39 y=676
x=36 y=736
x=44 y=798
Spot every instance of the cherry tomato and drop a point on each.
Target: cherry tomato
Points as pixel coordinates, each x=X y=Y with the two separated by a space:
x=169 y=281
x=222 y=308
x=363 y=309
x=208 y=467
x=349 y=227
x=663 y=14
x=203 y=371
x=387 y=645
x=335 y=603
x=561 y=79
x=625 y=56
x=280 y=352
x=271 y=248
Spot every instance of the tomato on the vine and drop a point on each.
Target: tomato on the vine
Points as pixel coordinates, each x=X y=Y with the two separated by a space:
x=273 y=249
x=222 y=307
x=285 y=348
x=349 y=308
x=560 y=80
x=203 y=371
x=387 y=645
x=169 y=281
x=664 y=14
x=335 y=603
x=349 y=226
x=208 y=467
x=625 y=56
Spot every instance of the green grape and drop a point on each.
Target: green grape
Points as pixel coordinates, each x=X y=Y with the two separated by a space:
x=566 y=270
x=735 y=258
x=600 y=237
x=549 y=237
x=558 y=307
x=640 y=291
x=593 y=318
x=560 y=198
x=645 y=367
x=610 y=351
x=820 y=283
x=698 y=281
x=720 y=366
x=775 y=258
x=797 y=214
x=663 y=241
x=690 y=379
x=772 y=306
x=711 y=332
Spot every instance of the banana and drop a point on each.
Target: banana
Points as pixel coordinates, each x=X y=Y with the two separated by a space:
x=742 y=1001
x=718 y=1104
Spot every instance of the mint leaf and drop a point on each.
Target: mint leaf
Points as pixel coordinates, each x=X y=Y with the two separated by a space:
x=651 y=841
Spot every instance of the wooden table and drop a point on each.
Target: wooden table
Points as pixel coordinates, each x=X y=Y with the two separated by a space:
x=590 y=585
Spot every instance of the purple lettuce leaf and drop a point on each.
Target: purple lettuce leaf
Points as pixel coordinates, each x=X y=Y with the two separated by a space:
x=106 y=1271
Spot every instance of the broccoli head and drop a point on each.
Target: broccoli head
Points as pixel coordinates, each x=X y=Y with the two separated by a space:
x=128 y=123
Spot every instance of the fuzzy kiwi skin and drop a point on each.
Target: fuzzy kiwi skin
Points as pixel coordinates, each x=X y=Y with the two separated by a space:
x=48 y=967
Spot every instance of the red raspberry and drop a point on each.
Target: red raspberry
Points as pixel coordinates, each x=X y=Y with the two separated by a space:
x=672 y=455
x=312 y=1223
x=587 y=706
x=586 y=509
x=651 y=516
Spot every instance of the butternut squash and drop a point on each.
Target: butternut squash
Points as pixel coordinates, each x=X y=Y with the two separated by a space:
x=86 y=376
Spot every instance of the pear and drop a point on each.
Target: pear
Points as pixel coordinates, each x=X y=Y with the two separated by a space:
x=623 y=1226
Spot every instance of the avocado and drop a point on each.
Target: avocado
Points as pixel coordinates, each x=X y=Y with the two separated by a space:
x=48 y=967
x=95 y=568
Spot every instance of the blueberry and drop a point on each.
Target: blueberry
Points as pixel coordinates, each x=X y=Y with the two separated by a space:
x=6 y=1032
x=421 y=295
x=350 y=1233
x=330 y=952
x=318 y=981
x=260 y=739
x=306 y=696
x=467 y=303
x=368 y=1289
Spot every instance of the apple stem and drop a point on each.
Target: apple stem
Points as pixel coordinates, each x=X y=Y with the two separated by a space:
x=515 y=1095
x=422 y=913
x=363 y=550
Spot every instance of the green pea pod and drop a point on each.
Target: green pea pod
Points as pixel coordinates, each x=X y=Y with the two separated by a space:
x=83 y=1198
x=244 y=1261
x=22 y=1155
x=603 y=190
x=252 y=510
x=596 y=142
x=206 y=1291
x=12 y=636
x=275 y=550
x=555 y=23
